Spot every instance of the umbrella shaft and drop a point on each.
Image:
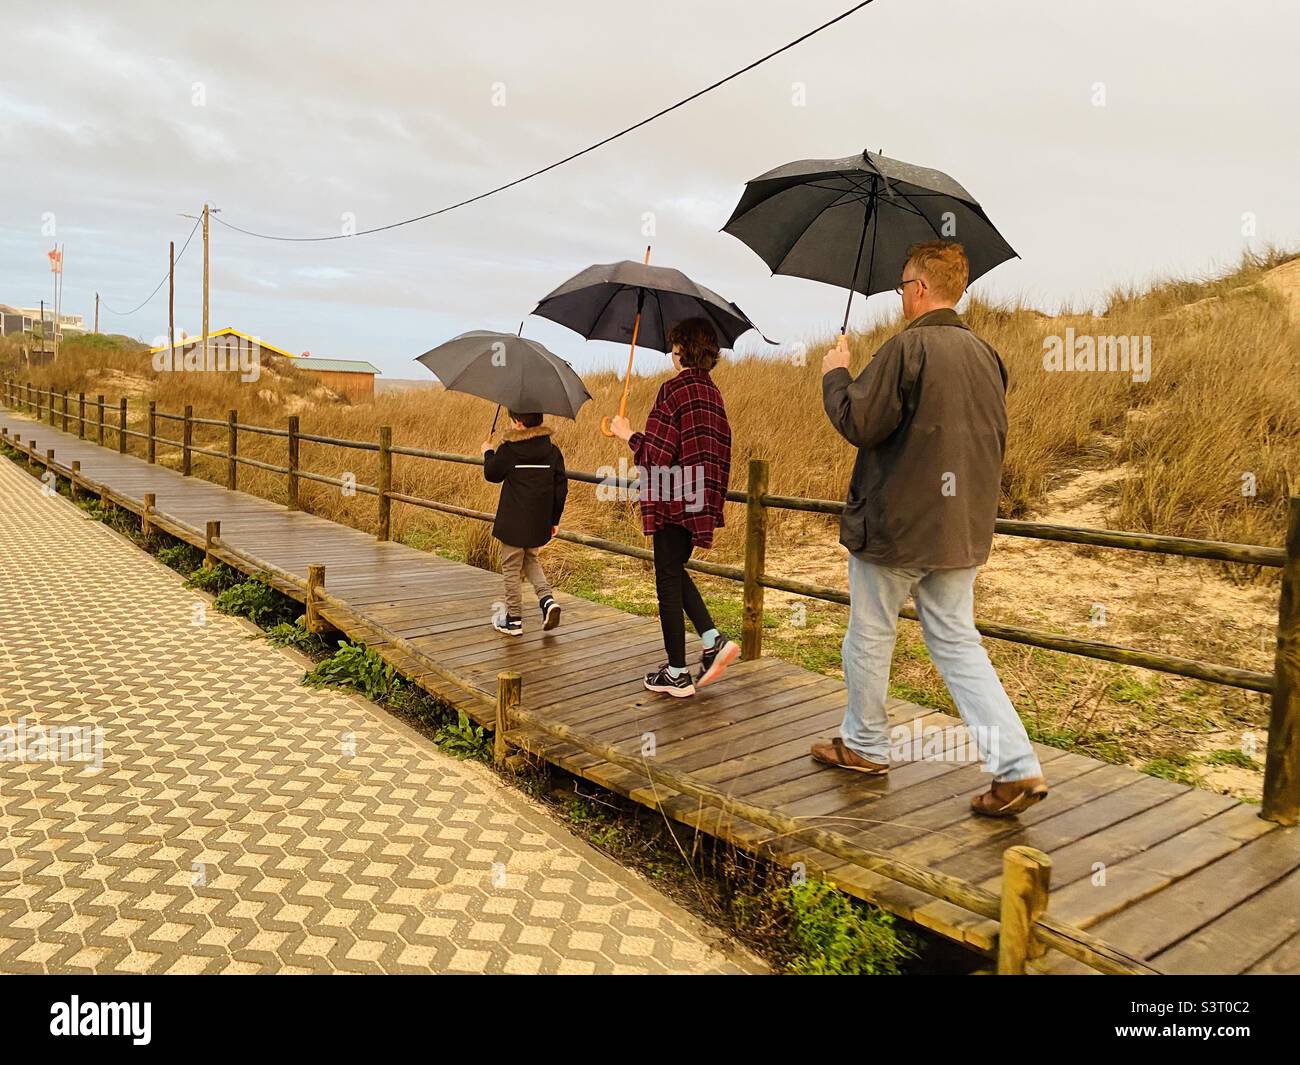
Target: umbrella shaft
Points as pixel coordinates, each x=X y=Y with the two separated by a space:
x=627 y=378
x=857 y=263
x=636 y=326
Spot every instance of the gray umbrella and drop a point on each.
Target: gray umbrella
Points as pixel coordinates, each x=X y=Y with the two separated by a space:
x=849 y=222
x=512 y=371
x=603 y=302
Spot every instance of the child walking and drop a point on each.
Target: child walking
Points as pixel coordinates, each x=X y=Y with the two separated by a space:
x=684 y=457
x=530 y=470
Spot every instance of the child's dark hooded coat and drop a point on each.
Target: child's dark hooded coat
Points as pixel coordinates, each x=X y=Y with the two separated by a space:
x=530 y=470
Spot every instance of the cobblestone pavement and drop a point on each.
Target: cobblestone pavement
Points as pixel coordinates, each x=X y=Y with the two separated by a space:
x=239 y=822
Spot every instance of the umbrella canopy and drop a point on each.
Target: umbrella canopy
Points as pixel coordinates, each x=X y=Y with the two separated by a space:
x=849 y=222
x=519 y=374
x=603 y=301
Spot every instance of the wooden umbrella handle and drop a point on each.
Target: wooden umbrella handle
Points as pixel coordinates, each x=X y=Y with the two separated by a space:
x=627 y=377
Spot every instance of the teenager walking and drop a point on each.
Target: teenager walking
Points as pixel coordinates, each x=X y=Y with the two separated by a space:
x=684 y=461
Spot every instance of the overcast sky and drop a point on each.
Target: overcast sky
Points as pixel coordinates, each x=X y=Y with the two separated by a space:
x=115 y=119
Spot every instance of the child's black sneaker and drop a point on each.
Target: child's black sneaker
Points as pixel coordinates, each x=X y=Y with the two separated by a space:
x=662 y=681
x=716 y=659
x=550 y=612
x=510 y=625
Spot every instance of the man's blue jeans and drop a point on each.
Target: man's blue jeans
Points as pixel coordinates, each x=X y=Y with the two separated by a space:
x=945 y=605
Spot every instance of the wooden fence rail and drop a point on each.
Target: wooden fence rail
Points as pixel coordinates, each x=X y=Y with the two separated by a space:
x=1281 y=793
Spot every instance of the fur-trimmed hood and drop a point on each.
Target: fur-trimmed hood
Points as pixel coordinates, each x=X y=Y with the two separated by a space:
x=515 y=436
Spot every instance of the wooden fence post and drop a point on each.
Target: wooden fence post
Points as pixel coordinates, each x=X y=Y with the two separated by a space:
x=232 y=449
x=65 y=410
x=751 y=636
x=153 y=431
x=146 y=527
x=99 y=402
x=121 y=426
x=52 y=410
x=1282 y=765
x=210 y=537
x=187 y=440
x=509 y=686
x=73 y=478
x=81 y=416
x=385 y=481
x=315 y=582
x=293 y=462
x=1026 y=880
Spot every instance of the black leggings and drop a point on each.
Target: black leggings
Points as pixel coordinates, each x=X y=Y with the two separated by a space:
x=676 y=590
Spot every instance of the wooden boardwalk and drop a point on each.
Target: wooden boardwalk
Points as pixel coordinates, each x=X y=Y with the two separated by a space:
x=1184 y=879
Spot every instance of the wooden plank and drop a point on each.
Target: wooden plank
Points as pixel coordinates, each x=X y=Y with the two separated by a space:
x=1130 y=882
x=1242 y=937
x=1150 y=925
x=1283 y=961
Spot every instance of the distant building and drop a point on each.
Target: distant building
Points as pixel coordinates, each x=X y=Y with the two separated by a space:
x=351 y=378
x=15 y=320
x=230 y=349
x=68 y=323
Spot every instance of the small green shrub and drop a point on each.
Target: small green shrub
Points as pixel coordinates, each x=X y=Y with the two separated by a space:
x=294 y=634
x=256 y=600
x=354 y=665
x=214 y=580
x=1232 y=756
x=832 y=935
x=182 y=557
x=464 y=739
x=1174 y=767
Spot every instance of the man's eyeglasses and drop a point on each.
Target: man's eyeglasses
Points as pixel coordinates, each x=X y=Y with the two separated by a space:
x=898 y=289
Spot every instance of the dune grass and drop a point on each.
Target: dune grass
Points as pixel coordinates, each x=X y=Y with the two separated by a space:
x=1221 y=409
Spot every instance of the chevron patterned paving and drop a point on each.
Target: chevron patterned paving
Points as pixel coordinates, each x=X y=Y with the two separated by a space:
x=238 y=822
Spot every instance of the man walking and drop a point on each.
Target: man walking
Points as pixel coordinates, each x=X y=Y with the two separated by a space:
x=928 y=416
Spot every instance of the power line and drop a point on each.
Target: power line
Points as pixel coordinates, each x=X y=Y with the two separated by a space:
x=568 y=158
x=123 y=314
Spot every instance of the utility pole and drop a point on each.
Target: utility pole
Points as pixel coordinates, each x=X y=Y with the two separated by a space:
x=171 y=303
x=207 y=209
x=55 y=312
x=205 y=288
x=96 y=312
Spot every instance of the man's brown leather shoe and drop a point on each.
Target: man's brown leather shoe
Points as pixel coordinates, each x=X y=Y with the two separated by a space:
x=835 y=753
x=1007 y=798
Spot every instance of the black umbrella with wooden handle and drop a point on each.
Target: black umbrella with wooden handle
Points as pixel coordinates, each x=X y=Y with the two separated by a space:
x=849 y=222
x=640 y=303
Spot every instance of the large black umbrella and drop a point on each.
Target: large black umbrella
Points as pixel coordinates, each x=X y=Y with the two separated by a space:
x=512 y=371
x=640 y=303
x=849 y=222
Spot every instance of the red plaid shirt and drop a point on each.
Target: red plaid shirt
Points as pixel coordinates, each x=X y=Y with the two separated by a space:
x=684 y=457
